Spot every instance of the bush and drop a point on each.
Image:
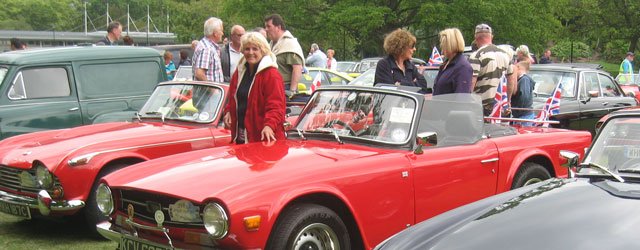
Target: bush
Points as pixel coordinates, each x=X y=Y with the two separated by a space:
x=615 y=50
x=562 y=50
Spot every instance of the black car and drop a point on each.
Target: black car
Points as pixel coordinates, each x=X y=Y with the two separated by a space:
x=588 y=93
x=596 y=209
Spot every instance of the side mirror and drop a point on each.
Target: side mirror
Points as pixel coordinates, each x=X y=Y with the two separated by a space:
x=287 y=125
x=571 y=163
x=428 y=139
x=593 y=93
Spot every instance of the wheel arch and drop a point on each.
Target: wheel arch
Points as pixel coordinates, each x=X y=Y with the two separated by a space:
x=109 y=166
x=536 y=156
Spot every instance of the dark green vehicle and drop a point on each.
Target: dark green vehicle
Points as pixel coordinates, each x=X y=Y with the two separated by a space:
x=57 y=88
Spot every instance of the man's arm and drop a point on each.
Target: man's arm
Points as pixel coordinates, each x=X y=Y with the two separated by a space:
x=200 y=74
x=295 y=76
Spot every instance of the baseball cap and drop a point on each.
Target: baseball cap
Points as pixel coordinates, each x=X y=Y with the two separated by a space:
x=483 y=28
x=629 y=53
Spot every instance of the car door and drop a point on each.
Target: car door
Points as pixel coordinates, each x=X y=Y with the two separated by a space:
x=451 y=176
x=39 y=98
x=592 y=104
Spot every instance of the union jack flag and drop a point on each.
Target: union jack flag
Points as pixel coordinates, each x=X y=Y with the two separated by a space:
x=551 y=106
x=501 y=99
x=316 y=82
x=435 y=58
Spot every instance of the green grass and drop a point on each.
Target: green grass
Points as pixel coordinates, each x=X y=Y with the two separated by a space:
x=612 y=68
x=45 y=233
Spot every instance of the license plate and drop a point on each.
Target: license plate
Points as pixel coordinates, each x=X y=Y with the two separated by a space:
x=132 y=243
x=632 y=152
x=16 y=210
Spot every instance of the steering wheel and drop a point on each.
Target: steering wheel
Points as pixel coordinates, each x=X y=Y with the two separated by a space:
x=330 y=124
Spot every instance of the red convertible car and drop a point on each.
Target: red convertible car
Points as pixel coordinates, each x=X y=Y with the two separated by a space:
x=360 y=165
x=55 y=172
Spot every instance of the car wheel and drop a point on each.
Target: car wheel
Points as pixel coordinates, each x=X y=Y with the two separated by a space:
x=309 y=226
x=530 y=173
x=92 y=215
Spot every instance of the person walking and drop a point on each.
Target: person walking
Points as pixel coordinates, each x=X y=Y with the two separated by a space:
x=626 y=69
x=489 y=63
x=454 y=75
x=396 y=68
x=256 y=110
x=206 y=57
x=285 y=46
x=231 y=53
x=114 y=31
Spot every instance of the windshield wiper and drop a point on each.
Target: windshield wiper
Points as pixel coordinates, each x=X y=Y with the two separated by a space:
x=328 y=130
x=300 y=134
x=602 y=169
x=156 y=113
x=138 y=116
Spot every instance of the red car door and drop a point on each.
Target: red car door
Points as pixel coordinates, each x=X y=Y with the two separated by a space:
x=449 y=177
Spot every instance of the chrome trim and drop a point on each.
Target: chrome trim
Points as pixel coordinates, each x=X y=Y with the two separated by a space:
x=104 y=229
x=489 y=160
x=158 y=228
x=40 y=204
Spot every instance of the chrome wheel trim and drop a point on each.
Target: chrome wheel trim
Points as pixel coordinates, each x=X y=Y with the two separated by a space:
x=532 y=181
x=316 y=236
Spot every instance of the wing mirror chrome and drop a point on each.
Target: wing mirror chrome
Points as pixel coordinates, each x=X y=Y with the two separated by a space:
x=572 y=160
x=427 y=139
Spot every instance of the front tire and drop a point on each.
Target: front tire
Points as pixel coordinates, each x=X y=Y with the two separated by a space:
x=530 y=173
x=92 y=215
x=309 y=226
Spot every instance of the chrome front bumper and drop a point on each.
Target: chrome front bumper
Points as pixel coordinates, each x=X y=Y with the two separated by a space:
x=43 y=203
x=104 y=229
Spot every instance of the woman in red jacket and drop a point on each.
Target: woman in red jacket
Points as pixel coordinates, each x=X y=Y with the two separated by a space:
x=256 y=110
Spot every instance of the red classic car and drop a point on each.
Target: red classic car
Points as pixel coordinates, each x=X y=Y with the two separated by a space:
x=361 y=164
x=55 y=172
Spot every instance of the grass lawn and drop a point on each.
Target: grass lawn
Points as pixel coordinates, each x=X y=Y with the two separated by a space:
x=48 y=234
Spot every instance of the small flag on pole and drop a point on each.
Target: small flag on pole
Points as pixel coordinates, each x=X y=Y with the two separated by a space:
x=501 y=99
x=435 y=58
x=316 y=82
x=551 y=106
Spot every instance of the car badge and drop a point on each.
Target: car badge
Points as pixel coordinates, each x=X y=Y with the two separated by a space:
x=159 y=216
x=26 y=153
x=130 y=211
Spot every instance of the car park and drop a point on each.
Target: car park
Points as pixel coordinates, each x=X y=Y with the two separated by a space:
x=54 y=173
x=588 y=93
x=596 y=209
x=359 y=165
x=66 y=87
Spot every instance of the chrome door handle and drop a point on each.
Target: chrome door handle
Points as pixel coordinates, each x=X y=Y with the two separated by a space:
x=74 y=109
x=489 y=160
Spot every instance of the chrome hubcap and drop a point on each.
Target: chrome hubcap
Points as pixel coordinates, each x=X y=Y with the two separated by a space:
x=316 y=236
x=532 y=181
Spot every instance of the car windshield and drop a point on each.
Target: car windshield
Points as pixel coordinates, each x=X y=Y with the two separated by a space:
x=198 y=103
x=617 y=147
x=546 y=82
x=362 y=114
x=365 y=79
x=345 y=66
x=184 y=73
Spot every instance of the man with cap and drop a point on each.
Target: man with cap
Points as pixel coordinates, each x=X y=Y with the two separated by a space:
x=489 y=63
x=626 y=69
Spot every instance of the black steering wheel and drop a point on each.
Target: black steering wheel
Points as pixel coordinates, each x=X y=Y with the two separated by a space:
x=330 y=124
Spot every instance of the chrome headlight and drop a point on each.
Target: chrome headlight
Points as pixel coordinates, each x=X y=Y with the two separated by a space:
x=215 y=220
x=104 y=199
x=44 y=177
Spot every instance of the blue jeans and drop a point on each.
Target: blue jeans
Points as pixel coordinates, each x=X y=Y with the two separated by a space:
x=530 y=116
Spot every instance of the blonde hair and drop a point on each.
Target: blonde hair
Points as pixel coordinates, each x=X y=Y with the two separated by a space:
x=396 y=42
x=257 y=39
x=451 y=40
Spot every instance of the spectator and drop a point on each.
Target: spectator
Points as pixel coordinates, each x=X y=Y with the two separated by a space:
x=288 y=52
x=206 y=57
x=114 y=30
x=454 y=75
x=523 y=97
x=316 y=57
x=257 y=108
x=261 y=31
x=127 y=40
x=332 y=64
x=184 y=58
x=231 y=53
x=523 y=54
x=625 y=74
x=396 y=68
x=546 y=57
x=169 y=66
x=16 y=44
x=489 y=63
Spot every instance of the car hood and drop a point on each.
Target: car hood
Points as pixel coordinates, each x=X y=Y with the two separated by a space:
x=50 y=147
x=234 y=171
x=560 y=213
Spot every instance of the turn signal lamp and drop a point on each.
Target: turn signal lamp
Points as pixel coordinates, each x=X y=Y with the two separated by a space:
x=252 y=223
x=57 y=192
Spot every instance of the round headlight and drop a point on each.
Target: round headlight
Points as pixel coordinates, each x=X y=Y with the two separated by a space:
x=215 y=220
x=44 y=177
x=104 y=200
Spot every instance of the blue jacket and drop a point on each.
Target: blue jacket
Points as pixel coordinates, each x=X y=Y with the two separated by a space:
x=455 y=78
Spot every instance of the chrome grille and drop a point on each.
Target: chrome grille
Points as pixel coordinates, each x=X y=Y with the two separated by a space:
x=145 y=204
x=10 y=180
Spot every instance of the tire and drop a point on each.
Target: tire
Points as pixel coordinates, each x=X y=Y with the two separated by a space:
x=92 y=216
x=529 y=173
x=309 y=226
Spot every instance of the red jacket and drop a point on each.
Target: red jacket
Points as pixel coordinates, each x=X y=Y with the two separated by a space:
x=266 y=102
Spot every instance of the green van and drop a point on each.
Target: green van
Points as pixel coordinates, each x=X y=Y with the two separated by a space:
x=64 y=87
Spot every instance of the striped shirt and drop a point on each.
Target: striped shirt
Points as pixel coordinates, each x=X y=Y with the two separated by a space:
x=207 y=57
x=489 y=63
